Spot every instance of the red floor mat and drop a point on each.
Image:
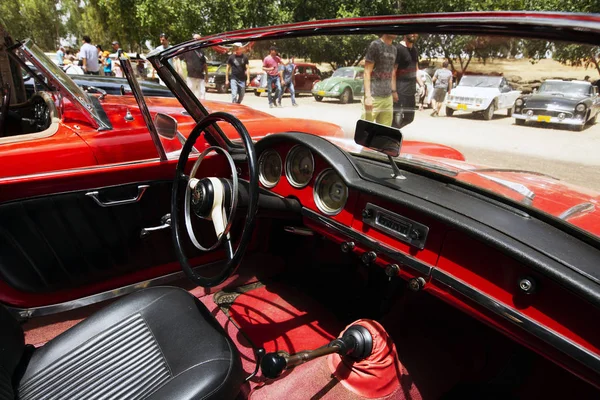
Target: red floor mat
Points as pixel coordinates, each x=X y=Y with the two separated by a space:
x=280 y=317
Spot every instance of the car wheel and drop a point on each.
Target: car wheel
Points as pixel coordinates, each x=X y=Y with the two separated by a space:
x=221 y=88
x=488 y=114
x=520 y=122
x=346 y=96
x=257 y=93
x=449 y=111
x=509 y=112
x=318 y=98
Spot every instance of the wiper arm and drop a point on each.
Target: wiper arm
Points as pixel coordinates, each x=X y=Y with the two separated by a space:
x=579 y=209
x=517 y=187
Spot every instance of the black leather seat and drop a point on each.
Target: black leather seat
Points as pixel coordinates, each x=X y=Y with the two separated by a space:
x=159 y=343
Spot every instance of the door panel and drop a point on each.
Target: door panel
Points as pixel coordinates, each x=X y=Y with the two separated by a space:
x=67 y=240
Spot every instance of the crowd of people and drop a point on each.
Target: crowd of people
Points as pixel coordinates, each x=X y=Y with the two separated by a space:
x=391 y=80
x=92 y=59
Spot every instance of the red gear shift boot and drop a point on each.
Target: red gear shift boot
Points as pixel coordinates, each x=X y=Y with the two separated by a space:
x=379 y=375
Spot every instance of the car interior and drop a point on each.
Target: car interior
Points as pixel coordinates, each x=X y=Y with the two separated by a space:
x=284 y=267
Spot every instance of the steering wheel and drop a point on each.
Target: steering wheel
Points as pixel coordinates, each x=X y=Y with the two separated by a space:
x=5 y=94
x=43 y=107
x=206 y=198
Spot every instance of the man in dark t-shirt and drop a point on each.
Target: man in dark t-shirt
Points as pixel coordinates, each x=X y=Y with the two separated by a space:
x=379 y=80
x=238 y=65
x=197 y=70
x=407 y=79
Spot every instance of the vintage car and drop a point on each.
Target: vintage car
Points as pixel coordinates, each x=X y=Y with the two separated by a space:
x=104 y=84
x=345 y=84
x=481 y=94
x=570 y=103
x=305 y=77
x=302 y=260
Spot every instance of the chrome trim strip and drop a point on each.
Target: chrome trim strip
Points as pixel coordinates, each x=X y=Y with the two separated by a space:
x=24 y=313
x=378 y=247
x=577 y=210
x=553 y=338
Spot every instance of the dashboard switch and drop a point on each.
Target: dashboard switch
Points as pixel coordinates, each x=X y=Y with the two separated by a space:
x=347 y=247
x=416 y=284
x=369 y=257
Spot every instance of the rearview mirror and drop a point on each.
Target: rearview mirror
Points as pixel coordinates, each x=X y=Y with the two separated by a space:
x=382 y=138
x=166 y=126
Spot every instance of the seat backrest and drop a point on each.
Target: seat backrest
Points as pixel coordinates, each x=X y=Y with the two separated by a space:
x=12 y=345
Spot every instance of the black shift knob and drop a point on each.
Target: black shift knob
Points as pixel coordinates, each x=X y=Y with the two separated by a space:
x=272 y=365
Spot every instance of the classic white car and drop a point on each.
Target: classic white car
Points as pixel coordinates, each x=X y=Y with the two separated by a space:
x=482 y=94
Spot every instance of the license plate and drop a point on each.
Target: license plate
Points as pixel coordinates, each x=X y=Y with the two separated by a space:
x=261 y=90
x=461 y=107
x=321 y=93
x=543 y=118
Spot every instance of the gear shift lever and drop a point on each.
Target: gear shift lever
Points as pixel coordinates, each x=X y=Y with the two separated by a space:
x=356 y=343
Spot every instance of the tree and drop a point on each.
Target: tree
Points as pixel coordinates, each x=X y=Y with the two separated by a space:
x=577 y=55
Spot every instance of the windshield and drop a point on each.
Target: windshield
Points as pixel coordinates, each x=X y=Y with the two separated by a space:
x=531 y=157
x=481 y=81
x=63 y=82
x=566 y=88
x=343 y=73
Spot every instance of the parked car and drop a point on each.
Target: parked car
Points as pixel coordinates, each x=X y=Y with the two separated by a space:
x=305 y=77
x=409 y=273
x=345 y=84
x=216 y=79
x=110 y=84
x=570 y=103
x=481 y=94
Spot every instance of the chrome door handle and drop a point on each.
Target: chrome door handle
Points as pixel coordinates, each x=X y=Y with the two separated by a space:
x=95 y=193
x=165 y=221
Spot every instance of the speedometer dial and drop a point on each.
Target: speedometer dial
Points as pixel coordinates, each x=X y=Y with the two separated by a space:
x=269 y=168
x=299 y=166
x=330 y=192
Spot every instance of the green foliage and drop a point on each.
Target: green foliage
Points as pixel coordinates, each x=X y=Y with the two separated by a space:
x=136 y=22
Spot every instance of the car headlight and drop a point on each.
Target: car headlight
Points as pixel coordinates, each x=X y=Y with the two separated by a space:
x=519 y=102
x=335 y=88
x=580 y=108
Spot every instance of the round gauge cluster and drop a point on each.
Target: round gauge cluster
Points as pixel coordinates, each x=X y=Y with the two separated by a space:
x=330 y=192
x=299 y=166
x=269 y=168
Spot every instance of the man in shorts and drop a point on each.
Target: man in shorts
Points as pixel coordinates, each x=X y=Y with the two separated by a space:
x=380 y=81
x=442 y=84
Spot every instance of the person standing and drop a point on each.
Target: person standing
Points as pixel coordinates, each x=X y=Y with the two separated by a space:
x=89 y=56
x=380 y=81
x=287 y=77
x=60 y=56
x=271 y=67
x=406 y=79
x=107 y=64
x=197 y=70
x=237 y=73
x=442 y=84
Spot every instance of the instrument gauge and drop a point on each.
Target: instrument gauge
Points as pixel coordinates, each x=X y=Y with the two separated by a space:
x=330 y=192
x=299 y=166
x=269 y=168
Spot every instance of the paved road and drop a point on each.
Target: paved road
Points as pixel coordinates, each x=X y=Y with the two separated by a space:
x=570 y=156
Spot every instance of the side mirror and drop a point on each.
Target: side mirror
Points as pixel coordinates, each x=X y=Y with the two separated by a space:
x=166 y=126
x=382 y=138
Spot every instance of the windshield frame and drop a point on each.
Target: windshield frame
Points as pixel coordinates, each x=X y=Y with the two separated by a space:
x=57 y=78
